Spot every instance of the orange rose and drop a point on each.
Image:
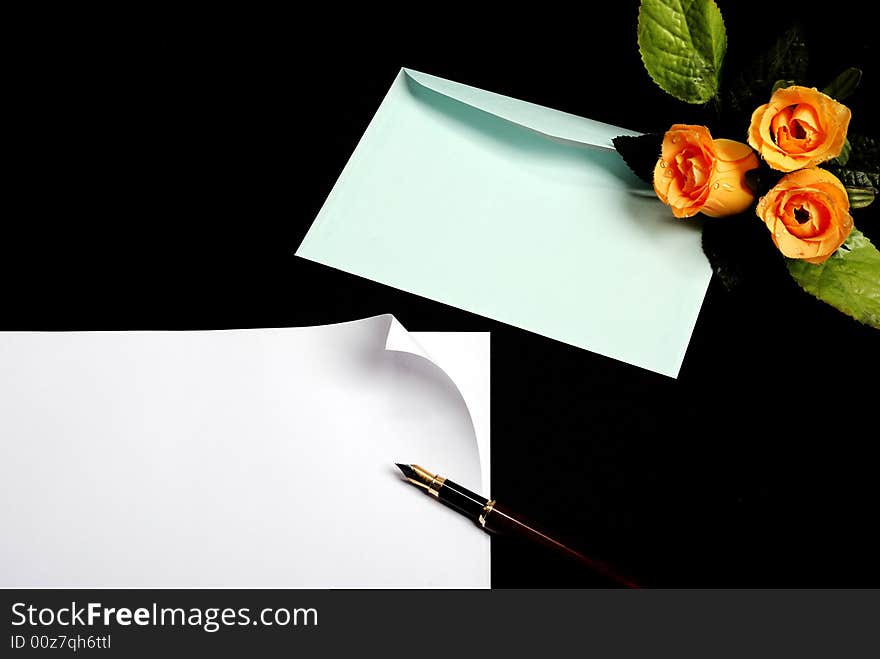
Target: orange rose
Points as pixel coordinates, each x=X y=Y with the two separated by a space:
x=698 y=174
x=807 y=214
x=799 y=127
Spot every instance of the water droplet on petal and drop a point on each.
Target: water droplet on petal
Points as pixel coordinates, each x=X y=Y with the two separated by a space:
x=716 y=186
x=668 y=172
x=727 y=186
x=663 y=163
x=676 y=139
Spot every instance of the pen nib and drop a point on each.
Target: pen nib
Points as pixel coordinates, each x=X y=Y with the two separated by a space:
x=408 y=471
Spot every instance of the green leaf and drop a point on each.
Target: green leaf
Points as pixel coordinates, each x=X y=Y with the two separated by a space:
x=860 y=197
x=856 y=178
x=786 y=60
x=844 y=84
x=640 y=153
x=682 y=43
x=726 y=240
x=779 y=84
x=849 y=280
x=865 y=153
x=842 y=159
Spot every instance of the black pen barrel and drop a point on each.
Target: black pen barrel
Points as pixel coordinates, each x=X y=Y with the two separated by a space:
x=462 y=499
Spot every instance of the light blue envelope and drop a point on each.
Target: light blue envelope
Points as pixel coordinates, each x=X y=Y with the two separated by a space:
x=516 y=212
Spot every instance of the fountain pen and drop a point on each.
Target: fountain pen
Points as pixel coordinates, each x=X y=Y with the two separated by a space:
x=497 y=519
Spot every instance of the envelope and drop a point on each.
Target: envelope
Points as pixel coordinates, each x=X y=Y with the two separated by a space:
x=517 y=212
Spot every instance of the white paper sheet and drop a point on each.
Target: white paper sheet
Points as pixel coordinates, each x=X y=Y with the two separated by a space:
x=240 y=458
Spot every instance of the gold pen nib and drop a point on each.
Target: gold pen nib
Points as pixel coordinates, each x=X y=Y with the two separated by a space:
x=418 y=483
x=421 y=478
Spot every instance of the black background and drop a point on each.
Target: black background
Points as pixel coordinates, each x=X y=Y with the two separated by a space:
x=171 y=166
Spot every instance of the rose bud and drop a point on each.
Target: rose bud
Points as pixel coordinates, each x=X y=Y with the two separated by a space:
x=698 y=174
x=807 y=214
x=799 y=127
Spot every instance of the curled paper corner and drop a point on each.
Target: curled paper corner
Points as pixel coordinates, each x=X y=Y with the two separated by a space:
x=400 y=340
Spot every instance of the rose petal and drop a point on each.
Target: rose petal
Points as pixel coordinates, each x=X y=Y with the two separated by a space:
x=755 y=137
x=806 y=114
x=661 y=181
x=732 y=151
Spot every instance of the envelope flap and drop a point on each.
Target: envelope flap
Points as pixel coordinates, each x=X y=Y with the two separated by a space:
x=554 y=124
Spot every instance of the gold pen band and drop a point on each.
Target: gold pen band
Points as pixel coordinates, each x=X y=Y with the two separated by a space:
x=488 y=508
x=435 y=485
